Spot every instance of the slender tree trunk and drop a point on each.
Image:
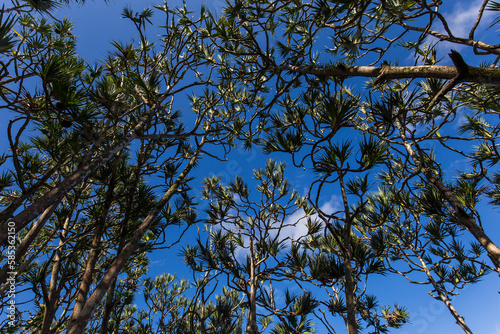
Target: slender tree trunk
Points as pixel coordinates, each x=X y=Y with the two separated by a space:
x=352 y=327
x=53 y=295
x=124 y=230
x=350 y=285
x=463 y=218
x=110 y=294
x=468 y=222
x=252 y=310
x=86 y=281
x=95 y=249
x=80 y=320
x=459 y=320
x=108 y=308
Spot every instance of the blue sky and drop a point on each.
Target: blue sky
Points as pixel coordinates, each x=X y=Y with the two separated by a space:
x=97 y=23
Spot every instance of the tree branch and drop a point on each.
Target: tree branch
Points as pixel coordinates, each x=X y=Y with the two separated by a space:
x=474 y=75
x=462 y=70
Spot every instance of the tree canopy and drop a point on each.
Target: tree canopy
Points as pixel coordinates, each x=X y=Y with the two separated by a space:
x=385 y=111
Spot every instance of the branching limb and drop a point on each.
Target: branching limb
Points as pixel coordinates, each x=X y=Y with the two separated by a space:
x=462 y=72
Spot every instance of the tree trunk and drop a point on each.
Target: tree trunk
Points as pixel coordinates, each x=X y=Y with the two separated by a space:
x=95 y=249
x=352 y=327
x=252 y=309
x=463 y=219
x=459 y=320
x=53 y=295
x=350 y=285
x=82 y=317
x=108 y=308
x=86 y=281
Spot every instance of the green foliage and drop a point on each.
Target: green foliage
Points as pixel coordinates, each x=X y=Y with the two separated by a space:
x=295 y=320
x=100 y=163
x=6 y=39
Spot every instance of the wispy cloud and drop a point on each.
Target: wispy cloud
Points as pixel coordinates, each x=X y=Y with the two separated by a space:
x=297 y=228
x=293 y=227
x=460 y=19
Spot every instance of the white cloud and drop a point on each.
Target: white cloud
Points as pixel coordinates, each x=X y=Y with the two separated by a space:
x=297 y=227
x=460 y=19
x=333 y=205
x=292 y=228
